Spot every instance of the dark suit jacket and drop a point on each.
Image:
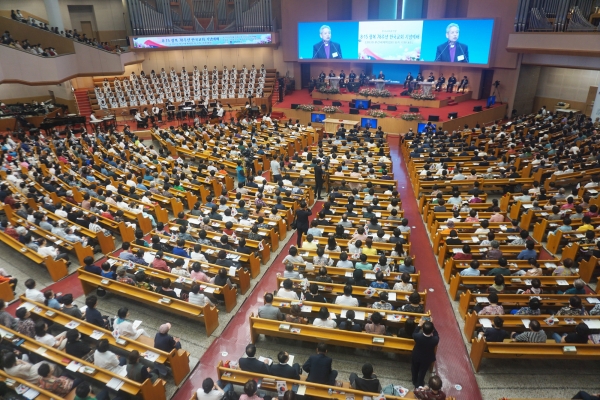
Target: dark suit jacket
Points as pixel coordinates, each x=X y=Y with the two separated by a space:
x=319 y=50
x=424 y=350
x=284 y=371
x=443 y=53
x=253 y=365
x=318 y=367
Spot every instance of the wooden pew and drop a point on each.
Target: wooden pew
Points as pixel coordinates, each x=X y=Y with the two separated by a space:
x=56 y=268
x=312 y=390
x=207 y=314
x=146 y=390
x=178 y=360
x=13 y=382
x=511 y=301
x=311 y=333
x=480 y=349
x=549 y=283
x=332 y=290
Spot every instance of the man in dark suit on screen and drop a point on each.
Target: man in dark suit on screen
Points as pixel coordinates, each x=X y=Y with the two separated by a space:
x=326 y=48
x=452 y=50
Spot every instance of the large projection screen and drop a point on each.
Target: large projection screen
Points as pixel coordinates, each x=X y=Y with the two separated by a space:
x=466 y=41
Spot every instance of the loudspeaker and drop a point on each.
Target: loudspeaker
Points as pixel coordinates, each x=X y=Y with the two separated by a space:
x=375 y=107
x=354 y=111
x=453 y=115
x=353 y=87
x=392 y=108
x=478 y=108
x=317 y=102
x=336 y=103
x=433 y=118
x=413 y=109
x=295 y=106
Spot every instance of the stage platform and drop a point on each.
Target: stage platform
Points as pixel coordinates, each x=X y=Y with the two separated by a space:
x=393 y=123
x=442 y=99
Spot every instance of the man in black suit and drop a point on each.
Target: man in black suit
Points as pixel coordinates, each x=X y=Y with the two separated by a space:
x=440 y=82
x=381 y=75
x=452 y=50
x=426 y=340
x=409 y=78
x=319 y=368
x=326 y=48
x=463 y=84
x=431 y=78
x=352 y=76
x=451 y=83
x=319 y=177
x=251 y=364
x=283 y=369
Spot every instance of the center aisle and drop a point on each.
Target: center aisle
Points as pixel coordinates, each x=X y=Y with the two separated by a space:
x=236 y=335
x=453 y=363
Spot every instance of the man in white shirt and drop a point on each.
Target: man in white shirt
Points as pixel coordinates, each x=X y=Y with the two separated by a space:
x=211 y=390
x=32 y=293
x=93 y=117
x=346 y=299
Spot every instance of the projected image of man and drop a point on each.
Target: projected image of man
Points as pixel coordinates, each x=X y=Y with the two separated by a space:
x=452 y=50
x=326 y=48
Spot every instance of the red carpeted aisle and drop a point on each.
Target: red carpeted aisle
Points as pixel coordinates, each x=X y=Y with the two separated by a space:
x=236 y=336
x=453 y=363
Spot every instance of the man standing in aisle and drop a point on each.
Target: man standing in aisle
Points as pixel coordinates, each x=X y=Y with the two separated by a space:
x=275 y=169
x=426 y=340
x=319 y=175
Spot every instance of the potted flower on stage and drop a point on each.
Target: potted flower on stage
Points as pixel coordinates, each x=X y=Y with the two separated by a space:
x=376 y=114
x=412 y=117
x=329 y=90
x=330 y=109
x=375 y=93
x=306 y=107
x=422 y=96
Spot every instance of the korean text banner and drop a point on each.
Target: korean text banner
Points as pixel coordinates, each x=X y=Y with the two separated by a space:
x=158 y=42
x=462 y=41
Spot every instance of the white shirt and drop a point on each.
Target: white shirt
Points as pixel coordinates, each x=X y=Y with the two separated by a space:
x=93 y=118
x=212 y=395
x=34 y=295
x=345 y=264
x=47 y=251
x=325 y=324
x=199 y=299
x=287 y=294
x=107 y=360
x=344 y=300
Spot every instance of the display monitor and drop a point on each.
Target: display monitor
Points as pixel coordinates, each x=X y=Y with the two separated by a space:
x=422 y=125
x=362 y=104
x=440 y=41
x=370 y=123
x=317 y=117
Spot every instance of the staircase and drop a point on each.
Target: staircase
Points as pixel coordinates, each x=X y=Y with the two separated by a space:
x=83 y=102
x=275 y=96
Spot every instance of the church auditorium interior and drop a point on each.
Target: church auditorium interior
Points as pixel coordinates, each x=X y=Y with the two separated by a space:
x=385 y=198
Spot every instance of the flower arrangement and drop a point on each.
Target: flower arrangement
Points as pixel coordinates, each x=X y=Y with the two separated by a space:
x=330 y=109
x=306 y=107
x=329 y=90
x=422 y=96
x=375 y=93
x=376 y=113
x=412 y=117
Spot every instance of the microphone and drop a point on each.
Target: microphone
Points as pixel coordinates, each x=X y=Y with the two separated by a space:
x=441 y=52
x=317 y=52
x=463 y=51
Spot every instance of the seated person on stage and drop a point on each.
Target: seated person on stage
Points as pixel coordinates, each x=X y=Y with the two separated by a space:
x=463 y=84
x=451 y=83
x=440 y=82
